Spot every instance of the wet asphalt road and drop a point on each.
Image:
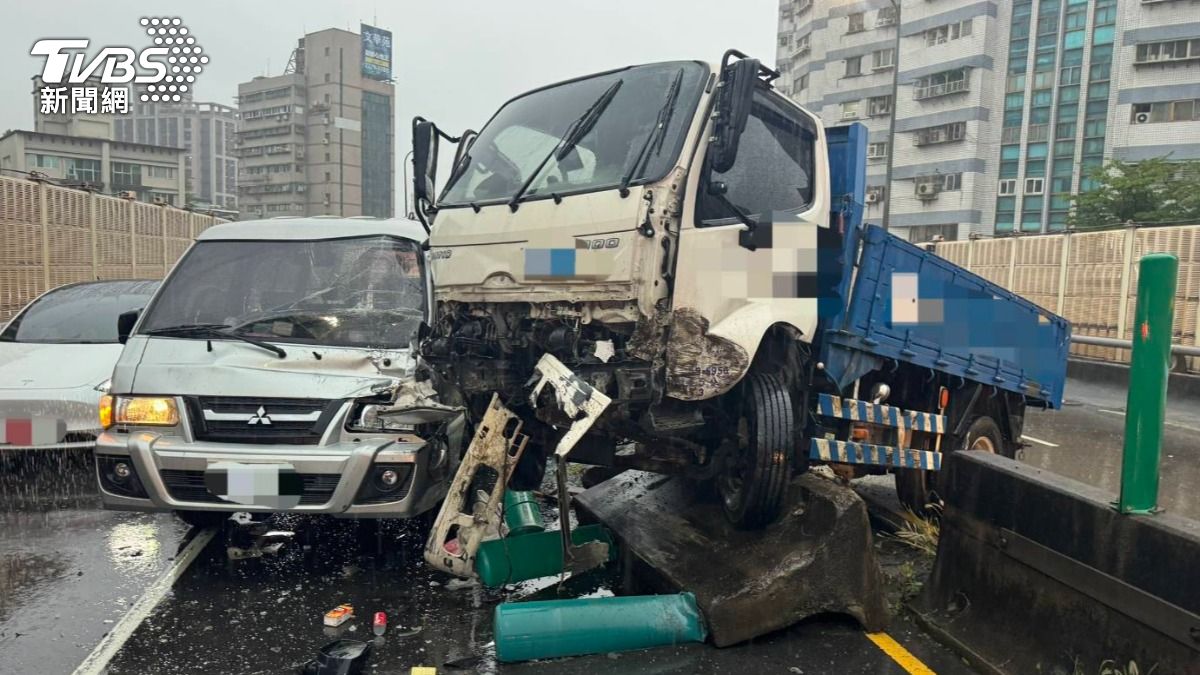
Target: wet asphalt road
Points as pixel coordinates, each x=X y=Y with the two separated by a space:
x=67 y=568
x=1089 y=431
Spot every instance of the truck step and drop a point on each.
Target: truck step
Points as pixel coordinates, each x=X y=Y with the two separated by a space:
x=862 y=411
x=845 y=452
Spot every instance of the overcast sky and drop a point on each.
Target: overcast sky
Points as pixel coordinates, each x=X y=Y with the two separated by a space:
x=454 y=61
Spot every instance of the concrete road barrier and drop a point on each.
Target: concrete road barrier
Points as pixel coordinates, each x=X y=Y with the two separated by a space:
x=1036 y=572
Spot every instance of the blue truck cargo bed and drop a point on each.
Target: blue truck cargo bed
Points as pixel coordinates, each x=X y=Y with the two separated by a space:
x=894 y=301
x=912 y=305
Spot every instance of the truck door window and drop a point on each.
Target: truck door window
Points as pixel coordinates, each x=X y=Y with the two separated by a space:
x=773 y=170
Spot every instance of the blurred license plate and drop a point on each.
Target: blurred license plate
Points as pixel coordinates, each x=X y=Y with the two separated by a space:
x=32 y=430
x=272 y=485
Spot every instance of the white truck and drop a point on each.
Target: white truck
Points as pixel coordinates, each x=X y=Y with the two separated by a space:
x=272 y=371
x=678 y=250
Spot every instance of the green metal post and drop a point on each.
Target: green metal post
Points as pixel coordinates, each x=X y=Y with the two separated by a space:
x=1147 y=401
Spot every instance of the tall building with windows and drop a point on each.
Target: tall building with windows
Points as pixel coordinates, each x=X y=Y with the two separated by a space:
x=205 y=131
x=319 y=139
x=991 y=113
x=1056 y=110
x=1156 y=110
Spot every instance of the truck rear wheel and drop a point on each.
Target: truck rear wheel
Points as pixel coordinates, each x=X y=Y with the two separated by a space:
x=917 y=489
x=755 y=478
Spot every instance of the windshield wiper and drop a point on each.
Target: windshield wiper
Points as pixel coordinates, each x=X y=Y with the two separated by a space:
x=736 y=210
x=655 y=138
x=575 y=133
x=214 y=330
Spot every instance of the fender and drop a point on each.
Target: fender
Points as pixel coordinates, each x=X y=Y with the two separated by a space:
x=705 y=361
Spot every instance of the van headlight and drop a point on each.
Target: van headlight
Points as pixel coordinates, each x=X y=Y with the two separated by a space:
x=366 y=418
x=153 y=411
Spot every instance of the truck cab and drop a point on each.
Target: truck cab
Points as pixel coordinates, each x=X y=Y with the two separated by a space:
x=684 y=240
x=272 y=371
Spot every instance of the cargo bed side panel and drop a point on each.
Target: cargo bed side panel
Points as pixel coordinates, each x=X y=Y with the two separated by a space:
x=914 y=306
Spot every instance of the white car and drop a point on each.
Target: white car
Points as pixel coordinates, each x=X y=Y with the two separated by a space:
x=56 y=357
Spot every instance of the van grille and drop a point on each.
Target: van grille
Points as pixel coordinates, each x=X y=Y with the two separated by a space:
x=291 y=421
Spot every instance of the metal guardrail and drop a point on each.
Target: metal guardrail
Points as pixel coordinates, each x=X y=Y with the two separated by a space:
x=1181 y=350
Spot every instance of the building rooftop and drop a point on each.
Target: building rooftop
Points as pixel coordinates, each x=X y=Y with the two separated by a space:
x=142 y=146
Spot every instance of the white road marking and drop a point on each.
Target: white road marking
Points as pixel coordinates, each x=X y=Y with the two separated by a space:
x=1040 y=441
x=97 y=661
x=1168 y=423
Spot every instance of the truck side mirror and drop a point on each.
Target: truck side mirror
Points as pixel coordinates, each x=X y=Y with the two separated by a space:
x=424 y=159
x=125 y=323
x=733 y=109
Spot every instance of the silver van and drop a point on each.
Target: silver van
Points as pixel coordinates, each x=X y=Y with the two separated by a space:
x=272 y=371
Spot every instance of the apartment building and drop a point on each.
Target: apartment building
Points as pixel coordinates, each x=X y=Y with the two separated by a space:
x=1157 y=63
x=151 y=173
x=998 y=109
x=205 y=131
x=319 y=139
x=838 y=60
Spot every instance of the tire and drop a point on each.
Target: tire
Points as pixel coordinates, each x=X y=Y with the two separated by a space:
x=984 y=434
x=203 y=519
x=917 y=489
x=755 y=479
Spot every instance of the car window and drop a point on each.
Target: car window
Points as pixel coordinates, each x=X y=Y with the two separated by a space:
x=81 y=313
x=773 y=170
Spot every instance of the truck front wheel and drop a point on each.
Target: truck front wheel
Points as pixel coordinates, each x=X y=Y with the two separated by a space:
x=755 y=479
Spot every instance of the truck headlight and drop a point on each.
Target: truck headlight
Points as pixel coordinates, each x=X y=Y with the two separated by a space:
x=157 y=411
x=366 y=418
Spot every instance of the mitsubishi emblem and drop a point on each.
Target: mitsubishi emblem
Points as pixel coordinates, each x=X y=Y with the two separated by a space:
x=260 y=417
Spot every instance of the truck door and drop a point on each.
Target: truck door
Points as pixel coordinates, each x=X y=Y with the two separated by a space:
x=735 y=293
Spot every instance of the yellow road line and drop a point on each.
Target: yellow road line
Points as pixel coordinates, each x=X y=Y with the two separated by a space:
x=911 y=664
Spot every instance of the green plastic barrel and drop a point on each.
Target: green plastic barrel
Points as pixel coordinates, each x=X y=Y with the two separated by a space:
x=513 y=559
x=522 y=514
x=553 y=628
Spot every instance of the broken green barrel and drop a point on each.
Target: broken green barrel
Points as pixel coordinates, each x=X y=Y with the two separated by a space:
x=522 y=514
x=554 y=628
x=529 y=556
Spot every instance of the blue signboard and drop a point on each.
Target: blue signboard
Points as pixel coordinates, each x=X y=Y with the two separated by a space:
x=376 y=52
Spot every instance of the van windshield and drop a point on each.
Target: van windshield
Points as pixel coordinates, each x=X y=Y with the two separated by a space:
x=354 y=292
x=515 y=142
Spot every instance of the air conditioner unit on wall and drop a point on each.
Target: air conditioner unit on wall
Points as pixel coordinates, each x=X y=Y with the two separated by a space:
x=927 y=190
x=872 y=197
x=1141 y=118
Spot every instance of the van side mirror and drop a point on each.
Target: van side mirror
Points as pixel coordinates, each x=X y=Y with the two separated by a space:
x=424 y=151
x=734 y=101
x=125 y=323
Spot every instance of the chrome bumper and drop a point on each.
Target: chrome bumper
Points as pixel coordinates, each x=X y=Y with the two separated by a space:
x=351 y=462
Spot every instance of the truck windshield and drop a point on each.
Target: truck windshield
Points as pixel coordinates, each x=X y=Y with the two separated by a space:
x=527 y=129
x=355 y=292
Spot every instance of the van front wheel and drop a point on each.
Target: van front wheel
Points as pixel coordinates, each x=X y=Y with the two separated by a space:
x=755 y=479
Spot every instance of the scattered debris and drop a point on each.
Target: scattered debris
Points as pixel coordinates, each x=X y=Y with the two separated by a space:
x=339 y=615
x=465 y=519
x=340 y=657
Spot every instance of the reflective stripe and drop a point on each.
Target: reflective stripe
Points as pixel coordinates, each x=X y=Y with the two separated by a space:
x=886 y=415
x=846 y=452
